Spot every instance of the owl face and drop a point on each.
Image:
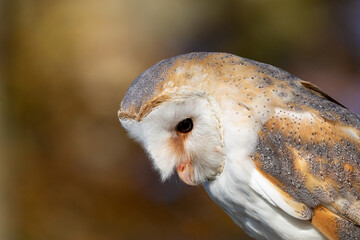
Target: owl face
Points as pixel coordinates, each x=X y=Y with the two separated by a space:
x=178 y=124
x=182 y=134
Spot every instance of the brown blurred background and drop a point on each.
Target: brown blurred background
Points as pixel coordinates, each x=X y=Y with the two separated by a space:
x=67 y=169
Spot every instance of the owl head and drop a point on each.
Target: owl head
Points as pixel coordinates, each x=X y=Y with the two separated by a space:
x=193 y=111
x=172 y=111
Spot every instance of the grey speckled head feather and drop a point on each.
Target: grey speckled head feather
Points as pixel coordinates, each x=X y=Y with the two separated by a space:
x=145 y=85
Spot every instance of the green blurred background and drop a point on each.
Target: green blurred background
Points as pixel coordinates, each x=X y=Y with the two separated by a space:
x=67 y=169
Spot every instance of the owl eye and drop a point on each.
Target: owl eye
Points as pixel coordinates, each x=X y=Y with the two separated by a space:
x=185 y=126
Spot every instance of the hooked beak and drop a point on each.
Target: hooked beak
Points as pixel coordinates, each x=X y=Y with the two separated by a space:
x=186 y=173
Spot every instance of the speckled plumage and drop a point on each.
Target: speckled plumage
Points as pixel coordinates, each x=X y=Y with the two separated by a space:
x=273 y=130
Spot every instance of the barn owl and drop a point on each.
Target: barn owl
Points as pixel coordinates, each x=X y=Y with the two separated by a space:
x=277 y=154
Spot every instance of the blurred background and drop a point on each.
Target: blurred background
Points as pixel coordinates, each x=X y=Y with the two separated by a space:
x=67 y=168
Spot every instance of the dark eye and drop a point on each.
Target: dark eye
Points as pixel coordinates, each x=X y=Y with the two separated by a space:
x=185 y=126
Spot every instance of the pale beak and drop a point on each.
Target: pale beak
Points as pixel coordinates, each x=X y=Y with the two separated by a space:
x=186 y=173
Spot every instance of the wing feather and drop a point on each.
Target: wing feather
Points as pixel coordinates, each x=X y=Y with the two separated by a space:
x=317 y=91
x=334 y=226
x=311 y=152
x=279 y=198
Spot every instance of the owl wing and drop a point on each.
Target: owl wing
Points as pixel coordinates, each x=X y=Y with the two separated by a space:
x=310 y=153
